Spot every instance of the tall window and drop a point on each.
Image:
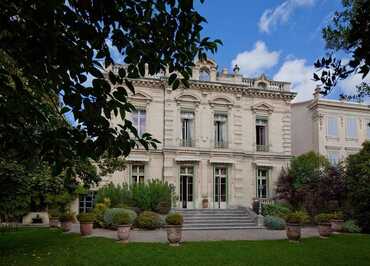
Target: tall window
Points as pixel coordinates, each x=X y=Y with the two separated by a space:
x=137 y=173
x=351 y=128
x=204 y=75
x=368 y=129
x=262 y=183
x=86 y=202
x=139 y=120
x=187 y=130
x=333 y=157
x=220 y=122
x=261 y=134
x=332 y=127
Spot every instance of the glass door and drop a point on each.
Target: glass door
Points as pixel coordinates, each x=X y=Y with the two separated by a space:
x=186 y=186
x=220 y=187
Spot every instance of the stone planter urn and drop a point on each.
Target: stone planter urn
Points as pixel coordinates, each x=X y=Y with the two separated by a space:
x=66 y=226
x=123 y=232
x=293 y=232
x=174 y=234
x=205 y=203
x=53 y=222
x=337 y=225
x=86 y=228
x=324 y=230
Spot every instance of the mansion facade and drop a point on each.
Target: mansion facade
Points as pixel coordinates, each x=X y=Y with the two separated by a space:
x=225 y=138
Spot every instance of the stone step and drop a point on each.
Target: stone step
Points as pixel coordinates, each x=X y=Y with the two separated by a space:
x=219 y=222
x=222 y=227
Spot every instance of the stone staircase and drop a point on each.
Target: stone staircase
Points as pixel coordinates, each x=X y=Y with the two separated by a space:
x=218 y=219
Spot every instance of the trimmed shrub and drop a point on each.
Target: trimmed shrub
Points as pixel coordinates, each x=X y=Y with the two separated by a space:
x=337 y=216
x=276 y=209
x=274 y=223
x=119 y=195
x=99 y=210
x=88 y=217
x=152 y=195
x=110 y=213
x=350 y=226
x=297 y=217
x=54 y=213
x=323 y=218
x=67 y=217
x=148 y=220
x=121 y=218
x=174 y=219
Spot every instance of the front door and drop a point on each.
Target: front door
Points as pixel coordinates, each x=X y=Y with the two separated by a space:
x=220 y=187
x=186 y=186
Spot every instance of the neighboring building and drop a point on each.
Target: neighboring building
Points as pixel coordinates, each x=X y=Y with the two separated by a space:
x=225 y=138
x=332 y=128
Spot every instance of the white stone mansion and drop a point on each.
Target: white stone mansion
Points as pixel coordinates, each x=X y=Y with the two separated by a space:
x=224 y=139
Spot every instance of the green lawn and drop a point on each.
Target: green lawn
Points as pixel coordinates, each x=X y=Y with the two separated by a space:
x=52 y=247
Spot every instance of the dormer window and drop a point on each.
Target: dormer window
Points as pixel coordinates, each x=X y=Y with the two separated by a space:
x=204 y=74
x=262 y=85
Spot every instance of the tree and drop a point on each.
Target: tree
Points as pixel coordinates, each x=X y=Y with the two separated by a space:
x=54 y=46
x=358 y=182
x=349 y=32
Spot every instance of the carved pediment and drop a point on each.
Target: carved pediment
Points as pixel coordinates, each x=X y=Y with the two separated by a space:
x=262 y=107
x=187 y=98
x=223 y=101
x=141 y=97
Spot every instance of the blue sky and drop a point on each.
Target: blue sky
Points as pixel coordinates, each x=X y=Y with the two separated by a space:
x=281 y=38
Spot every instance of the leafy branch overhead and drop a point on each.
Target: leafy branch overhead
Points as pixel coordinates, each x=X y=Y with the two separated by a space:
x=55 y=46
x=349 y=32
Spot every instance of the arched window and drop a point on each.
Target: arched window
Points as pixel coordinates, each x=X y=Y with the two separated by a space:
x=204 y=74
x=262 y=85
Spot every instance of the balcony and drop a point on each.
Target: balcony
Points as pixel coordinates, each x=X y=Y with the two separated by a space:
x=187 y=143
x=221 y=144
x=263 y=148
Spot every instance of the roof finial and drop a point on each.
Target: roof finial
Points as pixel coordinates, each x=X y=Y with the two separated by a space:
x=236 y=69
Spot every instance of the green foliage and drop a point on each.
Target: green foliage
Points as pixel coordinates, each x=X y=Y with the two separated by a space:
x=67 y=217
x=323 y=218
x=297 y=217
x=274 y=222
x=88 y=217
x=99 y=211
x=358 y=183
x=275 y=209
x=124 y=217
x=337 y=215
x=110 y=213
x=351 y=226
x=148 y=196
x=148 y=220
x=174 y=219
x=53 y=213
x=117 y=194
x=347 y=32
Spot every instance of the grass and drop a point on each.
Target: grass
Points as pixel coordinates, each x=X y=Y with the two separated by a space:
x=52 y=247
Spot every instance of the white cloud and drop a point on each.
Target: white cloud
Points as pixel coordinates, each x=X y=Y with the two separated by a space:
x=300 y=75
x=280 y=14
x=254 y=61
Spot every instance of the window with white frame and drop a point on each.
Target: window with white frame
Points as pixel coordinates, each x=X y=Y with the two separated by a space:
x=262 y=190
x=220 y=123
x=86 y=202
x=137 y=173
x=261 y=134
x=351 y=128
x=334 y=157
x=187 y=128
x=332 y=126
x=204 y=75
x=139 y=120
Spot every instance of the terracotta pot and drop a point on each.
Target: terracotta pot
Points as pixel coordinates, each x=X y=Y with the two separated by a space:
x=293 y=232
x=86 y=228
x=123 y=232
x=205 y=204
x=66 y=226
x=337 y=225
x=53 y=222
x=174 y=234
x=324 y=230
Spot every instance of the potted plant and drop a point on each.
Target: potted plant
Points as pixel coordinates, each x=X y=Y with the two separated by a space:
x=123 y=222
x=205 y=202
x=174 y=223
x=164 y=207
x=86 y=223
x=53 y=218
x=324 y=226
x=294 y=222
x=337 y=222
x=66 y=220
